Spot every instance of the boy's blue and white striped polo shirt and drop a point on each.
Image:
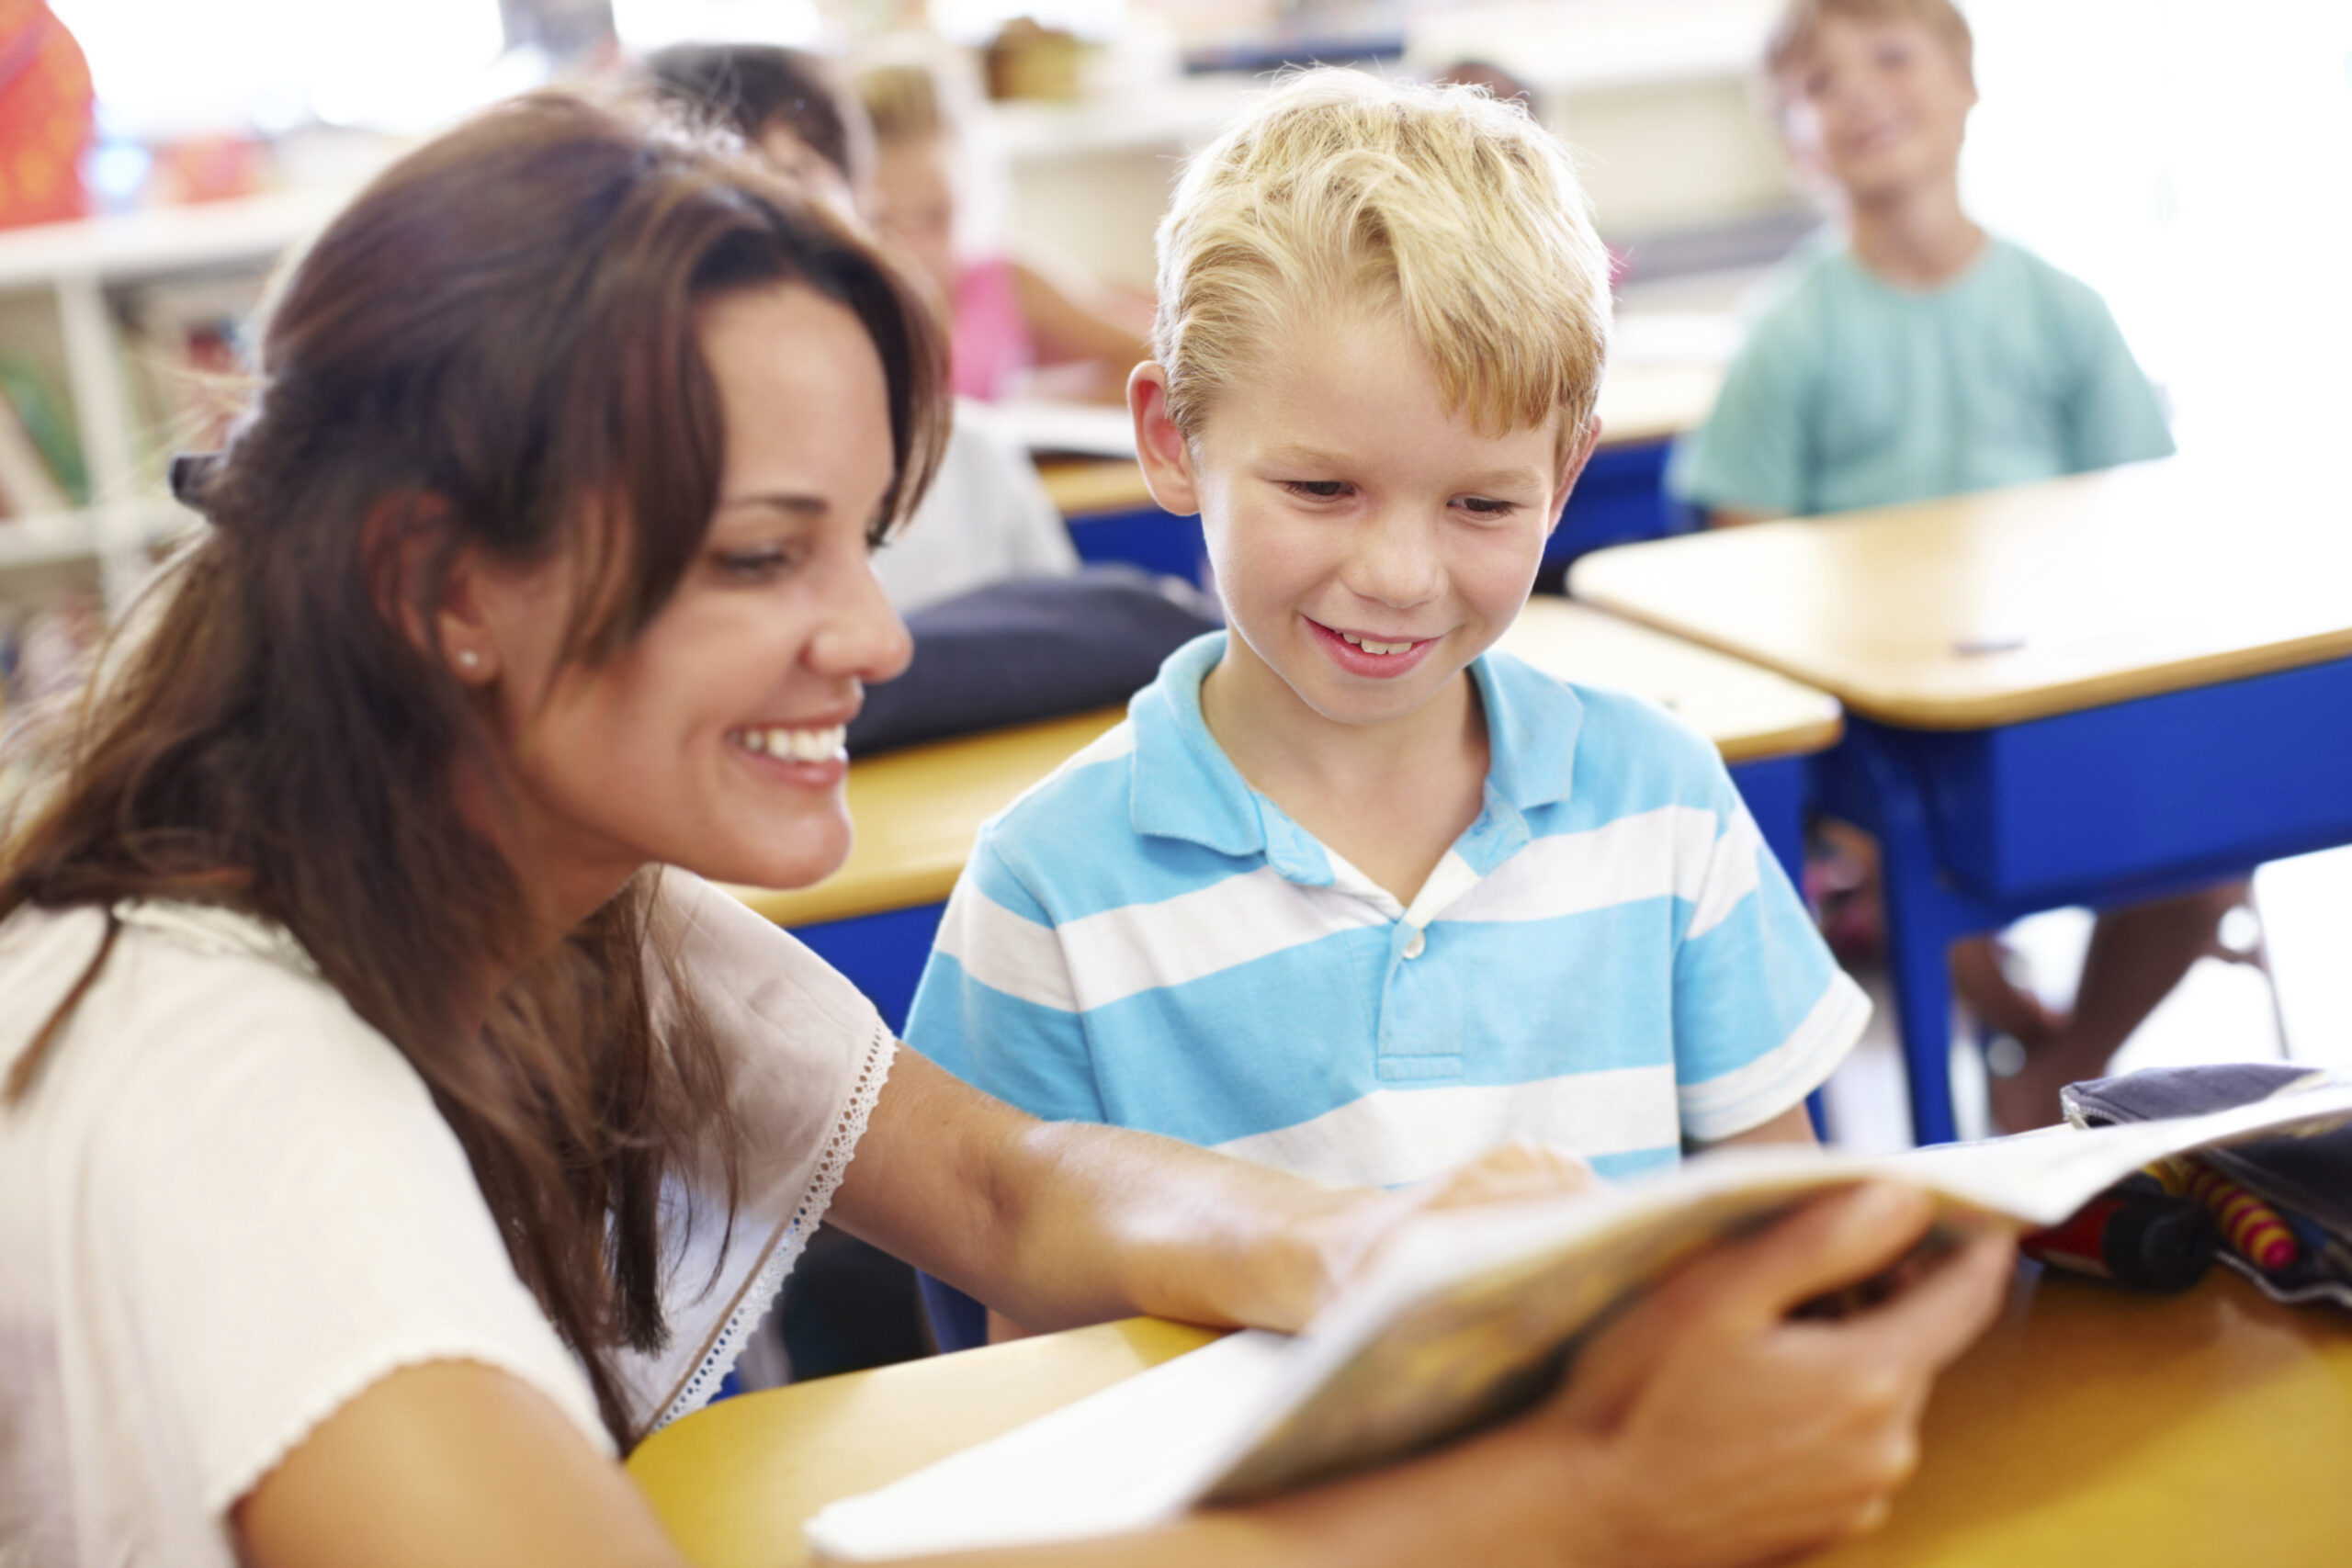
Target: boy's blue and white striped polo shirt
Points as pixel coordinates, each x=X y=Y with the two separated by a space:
x=1608 y=959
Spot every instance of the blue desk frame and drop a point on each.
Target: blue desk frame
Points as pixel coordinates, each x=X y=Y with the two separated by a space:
x=2105 y=806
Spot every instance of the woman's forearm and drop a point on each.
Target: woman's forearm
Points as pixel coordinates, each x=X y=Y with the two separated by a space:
x=1098 y=1222
x=1055 y=1224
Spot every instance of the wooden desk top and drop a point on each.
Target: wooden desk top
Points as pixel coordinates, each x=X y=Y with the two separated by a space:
x=917 y=811
x=735 y=1482
x=2018 y=603
x=1639 y=404
x=2090 y=1426
x=1750 y=713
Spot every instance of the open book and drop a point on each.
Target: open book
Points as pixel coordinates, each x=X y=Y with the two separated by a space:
x=1461 y=1323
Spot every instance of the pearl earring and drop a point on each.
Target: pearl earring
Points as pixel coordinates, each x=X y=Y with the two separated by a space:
x=468 y=658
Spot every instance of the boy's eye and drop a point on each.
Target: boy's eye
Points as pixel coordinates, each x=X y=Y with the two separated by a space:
x=1321 y=490
x=1486 y=506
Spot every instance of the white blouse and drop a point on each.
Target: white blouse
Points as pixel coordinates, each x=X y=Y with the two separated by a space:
x=228 y=1206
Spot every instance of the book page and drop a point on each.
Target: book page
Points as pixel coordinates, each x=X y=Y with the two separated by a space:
x=1465 y=1320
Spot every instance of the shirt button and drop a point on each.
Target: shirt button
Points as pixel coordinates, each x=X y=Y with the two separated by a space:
x=1413 y=948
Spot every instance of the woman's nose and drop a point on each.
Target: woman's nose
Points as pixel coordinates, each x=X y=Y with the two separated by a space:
x=861 y=634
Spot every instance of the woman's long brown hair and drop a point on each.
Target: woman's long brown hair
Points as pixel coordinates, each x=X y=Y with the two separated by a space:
x=494 y=346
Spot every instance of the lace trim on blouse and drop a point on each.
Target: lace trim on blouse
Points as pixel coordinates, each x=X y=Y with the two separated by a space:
x=752 y=1303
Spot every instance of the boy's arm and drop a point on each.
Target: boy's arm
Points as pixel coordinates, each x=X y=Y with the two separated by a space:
x=1794 y=1125
x=2115 y=416
x=1761 y=1011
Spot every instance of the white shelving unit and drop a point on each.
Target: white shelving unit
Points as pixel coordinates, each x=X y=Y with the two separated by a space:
x=57 y=277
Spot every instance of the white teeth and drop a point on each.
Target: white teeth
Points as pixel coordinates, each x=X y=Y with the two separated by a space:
x=794 y=745
x=1377 y=647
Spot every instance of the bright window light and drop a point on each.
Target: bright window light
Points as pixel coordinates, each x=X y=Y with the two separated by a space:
x=647 y=25
x=167 y=68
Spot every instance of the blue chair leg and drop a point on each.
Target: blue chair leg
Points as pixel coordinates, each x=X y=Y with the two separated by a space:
x=957 y=1322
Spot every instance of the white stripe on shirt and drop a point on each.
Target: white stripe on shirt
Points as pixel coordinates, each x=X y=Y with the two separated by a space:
x=1390 y=1137
x=1003 y=951
x=1646 y=854
x=1731 y=875
x=1750 y=1095
x=1138 y=947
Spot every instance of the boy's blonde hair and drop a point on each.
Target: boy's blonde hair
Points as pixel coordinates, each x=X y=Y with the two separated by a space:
x=1794 y=33
x=1336 y=188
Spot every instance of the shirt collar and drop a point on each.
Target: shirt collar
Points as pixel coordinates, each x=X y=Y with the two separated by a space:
x=1532 y=723
x=1181 y=784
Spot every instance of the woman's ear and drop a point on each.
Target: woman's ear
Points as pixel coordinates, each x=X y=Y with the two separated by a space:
x=1160 y=446
x=463 y=621
x=429 y=586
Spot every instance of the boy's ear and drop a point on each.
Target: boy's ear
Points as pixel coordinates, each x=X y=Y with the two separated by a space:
x=1572 y=464
x=1161 y=447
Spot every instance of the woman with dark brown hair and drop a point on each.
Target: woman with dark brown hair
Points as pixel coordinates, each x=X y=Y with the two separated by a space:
x=386 y=1142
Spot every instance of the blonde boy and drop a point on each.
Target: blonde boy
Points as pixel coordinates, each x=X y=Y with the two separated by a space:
x=1347 y=893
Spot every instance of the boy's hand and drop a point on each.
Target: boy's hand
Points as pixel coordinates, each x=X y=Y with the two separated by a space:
x=1717 y=1428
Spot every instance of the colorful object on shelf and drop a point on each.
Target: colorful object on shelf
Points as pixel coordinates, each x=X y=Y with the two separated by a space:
x=2143 y=1238
x=2255 y=1231
x=35 y=401
x=46 y=117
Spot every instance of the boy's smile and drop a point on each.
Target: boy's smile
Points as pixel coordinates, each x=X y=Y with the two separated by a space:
x=1368 y=541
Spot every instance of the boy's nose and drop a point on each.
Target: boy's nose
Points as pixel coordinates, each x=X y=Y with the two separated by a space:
x=1396 y=561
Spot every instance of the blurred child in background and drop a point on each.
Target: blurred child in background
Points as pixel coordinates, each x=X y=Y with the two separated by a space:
x=1012 y=316
x=987 y=518
x=1909 y=354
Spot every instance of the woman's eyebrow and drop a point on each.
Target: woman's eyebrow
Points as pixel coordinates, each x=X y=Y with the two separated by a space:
x=797 y=503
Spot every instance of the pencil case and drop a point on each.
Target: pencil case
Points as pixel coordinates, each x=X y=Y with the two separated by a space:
x=2283 y=1204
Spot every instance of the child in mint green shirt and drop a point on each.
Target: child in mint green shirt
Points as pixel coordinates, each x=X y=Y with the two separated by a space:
x=1916 y=355
x=1852 y=390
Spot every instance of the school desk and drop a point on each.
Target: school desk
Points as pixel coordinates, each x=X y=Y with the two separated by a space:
x=916 y=810
x=1621 y=496
x=2096 y=690
x=2090 y=1426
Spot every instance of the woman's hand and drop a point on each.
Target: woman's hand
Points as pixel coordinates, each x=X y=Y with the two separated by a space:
x=1713 y=1425
x=1704 y=1428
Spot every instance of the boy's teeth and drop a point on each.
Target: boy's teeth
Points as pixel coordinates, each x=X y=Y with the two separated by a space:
x=1376 y=647
x=794 y=745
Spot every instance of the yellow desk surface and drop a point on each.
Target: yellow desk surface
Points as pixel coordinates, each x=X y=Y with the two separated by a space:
x=2018 y=603
x=735 y=1482
x=1639 y=404
x=916 y=812
x=1750 y=713
x=2089 y=1426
